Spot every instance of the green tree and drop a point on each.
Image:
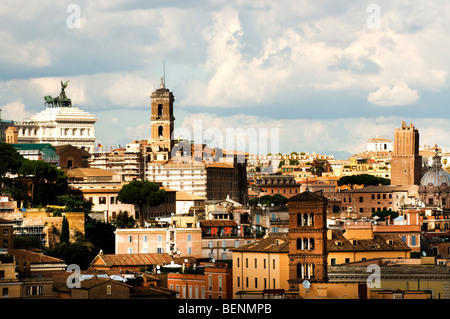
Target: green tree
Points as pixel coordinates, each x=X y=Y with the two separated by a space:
x=123 y=220
x=141 y=193
x=65 y=233
x=80 y=252
x=385 y=213
x=100 y=234
x=277 y=200
x=362 y=179
x=10 y=159
x=75 y=203
x=47 y=181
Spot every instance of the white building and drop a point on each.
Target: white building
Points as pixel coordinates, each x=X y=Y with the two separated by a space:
x=59 y=126
x=379 y=144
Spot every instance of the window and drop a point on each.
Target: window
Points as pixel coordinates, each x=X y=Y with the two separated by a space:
x=246 y=262
x=220 y=283
x=413 y=240
x=159 y=250
x=361 y=199
x=130 y=250
x=130 y=238
x=189 y=250
x=159 y=237
x=333 y=261
x=108 y=289
x=34 y=290
x=178 y=289
x=145 y=238
x=256 y=282
x=238 y=281
x=210 y=283
x=188 y=237
x=256 y=263
x=236 y=243
x=2 y=274
x=265 y=262
x=5 y=292
x=102 y=200
x=347 y=260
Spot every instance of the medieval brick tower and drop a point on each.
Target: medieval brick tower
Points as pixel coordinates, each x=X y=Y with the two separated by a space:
x=162 y=120
x=307 y=238
x=406 y=163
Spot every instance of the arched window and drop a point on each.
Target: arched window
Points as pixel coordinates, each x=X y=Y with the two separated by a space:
x=299 y=243
x=160 y=109
x=311 y=243
x=299 y=220
x=305 y=243
x=160 y=131
x=299 y=271
x=311 y=219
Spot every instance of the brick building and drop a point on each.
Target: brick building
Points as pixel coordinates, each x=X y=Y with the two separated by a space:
x=214 y=283
x=406 y=163
x=277 y=184
x=307 y=239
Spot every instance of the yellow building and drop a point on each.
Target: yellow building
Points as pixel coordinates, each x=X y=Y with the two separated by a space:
x=10 y=287
x=361 y=243
x=261 y=266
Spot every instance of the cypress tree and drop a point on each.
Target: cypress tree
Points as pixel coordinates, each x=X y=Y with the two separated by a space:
x=65 y=231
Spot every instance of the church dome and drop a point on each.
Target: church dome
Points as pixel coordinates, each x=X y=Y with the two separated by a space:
x=436 y=175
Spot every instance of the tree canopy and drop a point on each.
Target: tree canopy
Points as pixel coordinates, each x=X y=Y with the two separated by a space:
x=141 y=193
x=276 y=200
x=27 y=181
x=362 y=179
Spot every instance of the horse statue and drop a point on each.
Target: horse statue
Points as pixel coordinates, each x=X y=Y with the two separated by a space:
x=59 y=101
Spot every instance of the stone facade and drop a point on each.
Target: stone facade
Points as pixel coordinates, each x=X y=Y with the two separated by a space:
x=406 y=163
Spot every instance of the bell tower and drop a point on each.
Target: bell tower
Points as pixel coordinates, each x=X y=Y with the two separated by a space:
x=162 y=120
x=307 y=239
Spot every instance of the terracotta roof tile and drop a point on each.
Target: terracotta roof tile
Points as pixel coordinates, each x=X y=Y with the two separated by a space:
x=135 y=259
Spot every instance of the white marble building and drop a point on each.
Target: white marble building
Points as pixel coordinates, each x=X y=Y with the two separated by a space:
x=59 y=126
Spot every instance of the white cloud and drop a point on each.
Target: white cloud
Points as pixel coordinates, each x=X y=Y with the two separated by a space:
x=14 y=111
x=399 y=94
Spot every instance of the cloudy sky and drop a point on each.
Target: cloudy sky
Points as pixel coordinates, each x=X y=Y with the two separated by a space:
x=324 y=76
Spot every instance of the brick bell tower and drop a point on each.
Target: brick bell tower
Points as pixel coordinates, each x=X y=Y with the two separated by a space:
x=406 y=163
x=307 y=239
x=162 y=120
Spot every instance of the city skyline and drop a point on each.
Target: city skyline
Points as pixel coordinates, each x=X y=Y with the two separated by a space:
x=335 y=73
